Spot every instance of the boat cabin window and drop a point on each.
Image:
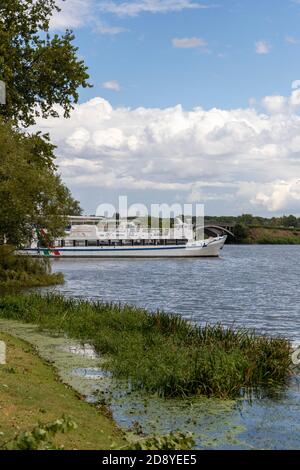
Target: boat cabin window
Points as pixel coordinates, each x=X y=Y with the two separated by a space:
x=79 y=243
x=127 y=242
x=92 y=243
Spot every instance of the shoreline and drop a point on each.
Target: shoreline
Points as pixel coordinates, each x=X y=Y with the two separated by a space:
x=44 y=396
x=216 y=411
x=160 y=352
x=59 y=357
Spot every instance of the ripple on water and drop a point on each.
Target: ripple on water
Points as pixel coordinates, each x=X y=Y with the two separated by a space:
x=251 y=286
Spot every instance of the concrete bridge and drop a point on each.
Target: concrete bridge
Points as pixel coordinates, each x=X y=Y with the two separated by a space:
x=215 y=230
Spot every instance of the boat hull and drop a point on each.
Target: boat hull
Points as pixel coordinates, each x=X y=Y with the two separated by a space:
x=210 y=249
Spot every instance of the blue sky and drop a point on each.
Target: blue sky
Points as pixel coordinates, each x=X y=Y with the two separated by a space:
x=192 y=102
x=225 y=73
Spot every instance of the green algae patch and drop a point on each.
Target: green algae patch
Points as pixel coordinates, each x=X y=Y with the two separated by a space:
x=214 y=423
x=31 y=392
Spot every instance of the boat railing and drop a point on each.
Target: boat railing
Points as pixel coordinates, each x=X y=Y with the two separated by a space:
x=147 y=233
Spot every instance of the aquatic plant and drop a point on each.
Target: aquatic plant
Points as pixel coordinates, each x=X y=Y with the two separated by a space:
x=160 y=352
x=172 y=441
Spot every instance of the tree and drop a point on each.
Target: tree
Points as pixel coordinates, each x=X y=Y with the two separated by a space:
x=241 y=233
x=289 y=221
x=32 y=194
x=246 y=219
x=40 y=71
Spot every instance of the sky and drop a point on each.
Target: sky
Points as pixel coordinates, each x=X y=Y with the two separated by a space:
x=192 y=101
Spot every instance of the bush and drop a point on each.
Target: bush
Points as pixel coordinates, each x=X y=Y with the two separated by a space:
x=24 y=271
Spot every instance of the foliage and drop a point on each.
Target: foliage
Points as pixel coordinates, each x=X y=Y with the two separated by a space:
x=250 y=220
x=17 y=271
x=41 y=437
x=290 y=221
x=172 y=441
x=40 y=71
x=31 y=192
x=241 y=233
x=160 y=352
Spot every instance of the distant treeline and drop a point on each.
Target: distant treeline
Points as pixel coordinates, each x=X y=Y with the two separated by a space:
x=286 y=221
x=248 y=228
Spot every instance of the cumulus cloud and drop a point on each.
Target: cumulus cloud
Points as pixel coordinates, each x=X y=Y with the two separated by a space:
x=262 y=47
x=238 y=158
x=295 y=84
x=134 y=8
x=188 y=43
x=111 y=85
x=275 y=103
x=278 y=195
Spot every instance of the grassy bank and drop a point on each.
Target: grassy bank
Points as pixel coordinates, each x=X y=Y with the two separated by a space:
x=30 y=392
x=265 y=235
x=159 y=352
x=274 y=236
x=17 y=272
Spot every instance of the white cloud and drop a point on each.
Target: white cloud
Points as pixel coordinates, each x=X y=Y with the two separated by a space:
x=78 y=139
x=278 y=195
x=262 y=47
x=275 y=103
x=134 y=8
x=80 y=13
x=295 y=84
x=188 y=43
x=103 y=28
x=295 y=98
x=234 y=159
x=73 y=14
x=111 y=85
x=281 y=104
x=291 y=40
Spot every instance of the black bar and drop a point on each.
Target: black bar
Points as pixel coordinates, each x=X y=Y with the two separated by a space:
x=138 y=459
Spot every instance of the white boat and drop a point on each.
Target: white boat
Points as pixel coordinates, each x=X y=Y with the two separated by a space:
x=104 y=239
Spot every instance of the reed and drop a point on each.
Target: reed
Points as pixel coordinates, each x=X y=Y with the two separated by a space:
x=160 y=352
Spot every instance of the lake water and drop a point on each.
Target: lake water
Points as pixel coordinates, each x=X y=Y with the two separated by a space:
x=251 y=286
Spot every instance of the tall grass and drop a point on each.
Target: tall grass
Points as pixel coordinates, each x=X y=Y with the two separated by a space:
x=160 y=352
x=24 y=271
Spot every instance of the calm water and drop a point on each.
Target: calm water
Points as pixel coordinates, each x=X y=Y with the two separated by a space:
x=253 y=286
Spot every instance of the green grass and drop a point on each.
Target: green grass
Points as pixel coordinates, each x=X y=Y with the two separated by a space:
x=276 y=240
x=273 y=236
x=30 y=392
x=24 y=271
x=159 y=352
